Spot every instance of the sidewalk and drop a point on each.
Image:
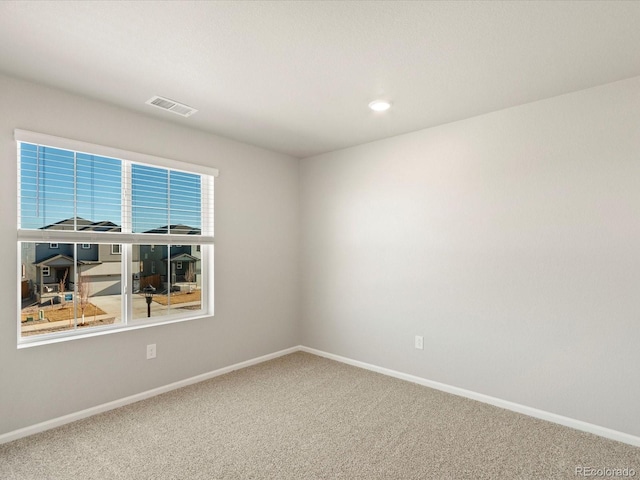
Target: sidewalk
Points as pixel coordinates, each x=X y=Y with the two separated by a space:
x=106 y=319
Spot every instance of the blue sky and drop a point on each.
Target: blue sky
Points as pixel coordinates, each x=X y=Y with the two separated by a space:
x=159 y=196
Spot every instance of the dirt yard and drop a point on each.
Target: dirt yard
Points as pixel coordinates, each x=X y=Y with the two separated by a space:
x=57 y=313
x=178 y=297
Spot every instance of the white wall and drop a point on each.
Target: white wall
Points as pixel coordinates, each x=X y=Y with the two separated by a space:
x=511 y=241
x=256 y=270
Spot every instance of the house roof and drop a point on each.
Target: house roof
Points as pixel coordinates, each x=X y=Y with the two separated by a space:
x=104 y=226
x=184 y=257
x=108 y=226
x=57 y=260
x=60 y=260
x=83 y=225
x=176 y=229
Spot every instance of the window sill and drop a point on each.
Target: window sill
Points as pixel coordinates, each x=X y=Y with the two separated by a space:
x=98 y=331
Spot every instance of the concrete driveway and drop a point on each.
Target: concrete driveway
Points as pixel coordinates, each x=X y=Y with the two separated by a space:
x=112 y=304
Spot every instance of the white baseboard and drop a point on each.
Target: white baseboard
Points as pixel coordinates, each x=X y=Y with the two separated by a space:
x=72 y=417
x=515 y=407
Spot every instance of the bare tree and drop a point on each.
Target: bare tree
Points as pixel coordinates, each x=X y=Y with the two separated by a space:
x=84 y=292
x=190 y=276
x=63 y=281
x=61 y=286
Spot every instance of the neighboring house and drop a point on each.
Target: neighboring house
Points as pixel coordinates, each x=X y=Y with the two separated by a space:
x=46 y=265
x=99 y=264
x=182 y=260
x=53 y=263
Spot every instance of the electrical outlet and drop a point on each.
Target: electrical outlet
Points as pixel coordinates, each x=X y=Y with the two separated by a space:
x=419 y=342
x=151 y=351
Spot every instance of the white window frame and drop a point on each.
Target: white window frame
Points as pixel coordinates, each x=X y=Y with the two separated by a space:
x=46 y=271
x=53 y=245
x=86 y=246
x=116 y=251
x=126 y=238
x=178 y=265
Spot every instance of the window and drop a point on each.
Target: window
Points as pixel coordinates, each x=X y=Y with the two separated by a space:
x=105 y=211
x=179 y=265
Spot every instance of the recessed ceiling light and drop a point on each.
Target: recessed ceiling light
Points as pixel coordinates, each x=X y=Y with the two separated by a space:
x=379 y=105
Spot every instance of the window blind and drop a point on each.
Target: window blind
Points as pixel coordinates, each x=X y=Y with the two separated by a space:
x=63 y=191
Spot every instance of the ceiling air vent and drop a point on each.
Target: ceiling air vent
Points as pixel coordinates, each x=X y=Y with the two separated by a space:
x=172 y=106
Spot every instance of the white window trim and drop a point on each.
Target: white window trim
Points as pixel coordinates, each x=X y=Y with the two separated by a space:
x=53 y=245
x=113 y=249
x=46 y=271
x=86 y=246
x=126 y=238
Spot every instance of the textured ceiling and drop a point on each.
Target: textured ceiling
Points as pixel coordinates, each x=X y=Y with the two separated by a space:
x=296 y=77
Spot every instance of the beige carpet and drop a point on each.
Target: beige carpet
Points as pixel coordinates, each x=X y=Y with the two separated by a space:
x=306 y=417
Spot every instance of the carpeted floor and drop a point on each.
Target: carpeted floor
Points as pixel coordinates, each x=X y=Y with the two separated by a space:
x=305 y=417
